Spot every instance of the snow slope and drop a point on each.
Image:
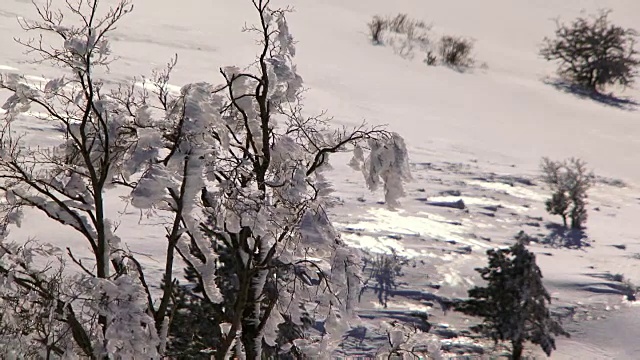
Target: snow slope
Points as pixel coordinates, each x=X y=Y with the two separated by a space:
x=500 y=119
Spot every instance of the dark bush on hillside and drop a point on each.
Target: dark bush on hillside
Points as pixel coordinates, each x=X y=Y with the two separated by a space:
x=377 y=25
x=592 y=52
x=456 y=51
x=431 y=59
x=415 y=30
x=407 y=35
x=402 y=24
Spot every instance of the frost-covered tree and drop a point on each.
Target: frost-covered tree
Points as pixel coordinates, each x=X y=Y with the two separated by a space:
x=236 y=172
x=103 y=307
x=513 y=304
x=408 y=343
x=569 y=182
x=264 y=202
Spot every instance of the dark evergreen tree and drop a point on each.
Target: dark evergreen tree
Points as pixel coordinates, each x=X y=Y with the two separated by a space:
x=513 y=304
x=193 y=330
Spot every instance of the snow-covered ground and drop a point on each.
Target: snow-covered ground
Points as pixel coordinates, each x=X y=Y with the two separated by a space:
x=476 y=136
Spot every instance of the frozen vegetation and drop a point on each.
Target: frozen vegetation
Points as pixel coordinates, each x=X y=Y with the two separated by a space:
x=318 y=179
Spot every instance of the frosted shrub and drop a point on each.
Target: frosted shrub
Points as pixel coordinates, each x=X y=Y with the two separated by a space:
x=408 y=343
x=403 y=24
x=569 y=182
x=377 y=25
x=406 y=35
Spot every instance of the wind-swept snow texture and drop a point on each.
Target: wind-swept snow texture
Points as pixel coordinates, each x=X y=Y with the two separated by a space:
x=471 y=135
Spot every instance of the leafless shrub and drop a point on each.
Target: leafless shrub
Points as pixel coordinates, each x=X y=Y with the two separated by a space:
x=399 y=23
x=431 y=59
x=402 y=24
x=592 y=52
x=456 y=51
x=384 y=270
x=414 y=30
x=377 y=25
x=406 y=35
x=569 y=180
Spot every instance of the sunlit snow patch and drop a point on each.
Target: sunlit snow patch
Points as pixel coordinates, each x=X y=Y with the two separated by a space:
x=32 y=114
x=405 y=306
x=453 y=278
x=378 y=244
x=7 y=68
x=380 y=229
x=36 y=78
x=516 y=191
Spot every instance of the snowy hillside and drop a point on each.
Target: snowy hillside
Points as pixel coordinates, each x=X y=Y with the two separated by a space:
x=476 y=136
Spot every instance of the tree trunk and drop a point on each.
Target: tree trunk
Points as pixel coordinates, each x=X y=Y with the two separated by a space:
x=249 y=338
x=516 y=354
